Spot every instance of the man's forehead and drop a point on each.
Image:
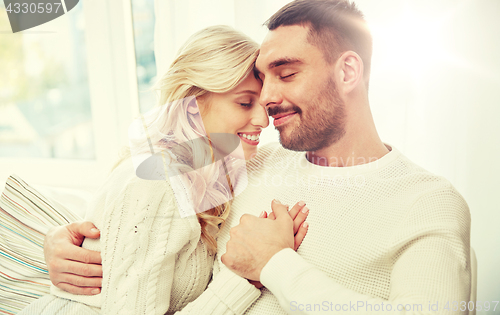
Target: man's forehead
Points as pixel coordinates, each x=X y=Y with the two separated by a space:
x=283 y=42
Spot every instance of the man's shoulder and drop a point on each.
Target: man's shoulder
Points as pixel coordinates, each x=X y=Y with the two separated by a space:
x=429 y=199
x=419 y=182
x=402 y=168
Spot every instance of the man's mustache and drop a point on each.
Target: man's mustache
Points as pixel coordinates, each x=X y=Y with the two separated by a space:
x=275 y=110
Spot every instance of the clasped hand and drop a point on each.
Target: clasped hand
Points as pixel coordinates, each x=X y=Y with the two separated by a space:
x=257 y=239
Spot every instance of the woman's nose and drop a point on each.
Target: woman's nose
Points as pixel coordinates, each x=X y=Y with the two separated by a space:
x=260 y=117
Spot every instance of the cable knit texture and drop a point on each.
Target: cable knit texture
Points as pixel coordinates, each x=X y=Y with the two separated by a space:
x=383 y=232
x=153 y=260
x=227 y=294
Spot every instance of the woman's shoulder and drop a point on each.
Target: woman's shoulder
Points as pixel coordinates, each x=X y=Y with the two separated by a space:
x=124 y=192
x=124 y=178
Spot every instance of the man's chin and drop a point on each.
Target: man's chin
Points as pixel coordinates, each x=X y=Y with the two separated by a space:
x=284 y=138
x=292 y=143
x=289 y=139
x=287 y=143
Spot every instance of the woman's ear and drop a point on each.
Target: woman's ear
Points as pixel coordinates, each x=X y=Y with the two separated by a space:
x=193 y=108
x=351 y=71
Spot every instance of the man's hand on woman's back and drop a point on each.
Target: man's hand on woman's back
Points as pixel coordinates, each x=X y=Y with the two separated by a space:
x=72 y=268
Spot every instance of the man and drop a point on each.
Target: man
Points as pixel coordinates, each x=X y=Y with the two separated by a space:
x=385 y=235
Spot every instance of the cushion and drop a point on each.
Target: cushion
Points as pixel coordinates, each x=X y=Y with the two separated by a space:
x=76 y=199
x=25 y=217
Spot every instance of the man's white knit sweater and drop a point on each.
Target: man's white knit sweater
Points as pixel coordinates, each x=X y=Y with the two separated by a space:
x=382 y=235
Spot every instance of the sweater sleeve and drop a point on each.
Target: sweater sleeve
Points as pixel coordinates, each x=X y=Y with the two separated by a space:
x=430 y=275
x=228 y=293
x=139 y=239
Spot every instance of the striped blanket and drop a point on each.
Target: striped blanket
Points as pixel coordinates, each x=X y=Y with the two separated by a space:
x=25 y=217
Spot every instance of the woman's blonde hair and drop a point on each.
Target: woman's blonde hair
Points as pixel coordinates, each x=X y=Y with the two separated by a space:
x=213 y=60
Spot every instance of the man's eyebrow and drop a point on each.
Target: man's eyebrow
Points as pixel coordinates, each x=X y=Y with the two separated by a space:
x=247 y=92
x=283 y=61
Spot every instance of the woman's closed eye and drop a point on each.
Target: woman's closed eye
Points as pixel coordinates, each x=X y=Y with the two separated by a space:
x=246 y=101
x=250 y=104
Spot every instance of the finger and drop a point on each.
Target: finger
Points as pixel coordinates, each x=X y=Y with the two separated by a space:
x=301 y=233
x=296 y=209
x=78 y=290
x=271 y=216
x=83 y=255
x=86 y=270
x=79 y=281
x=300 y=218
x=86 y=229
x=257 y=284
x=279 y=209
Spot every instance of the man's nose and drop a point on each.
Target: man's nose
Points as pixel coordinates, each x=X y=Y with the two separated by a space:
x=270 y=94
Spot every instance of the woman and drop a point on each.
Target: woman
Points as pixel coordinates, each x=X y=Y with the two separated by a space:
x=153 y=260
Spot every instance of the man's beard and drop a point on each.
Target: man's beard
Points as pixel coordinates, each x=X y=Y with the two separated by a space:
x=321 y=125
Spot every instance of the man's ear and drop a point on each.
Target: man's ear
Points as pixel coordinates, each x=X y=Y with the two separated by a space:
x=350 y=70
x=193 y=108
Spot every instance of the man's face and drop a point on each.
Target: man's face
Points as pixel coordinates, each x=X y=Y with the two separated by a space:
x=299 y=90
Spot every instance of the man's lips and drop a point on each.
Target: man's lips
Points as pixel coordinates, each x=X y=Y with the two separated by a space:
x=280 y=119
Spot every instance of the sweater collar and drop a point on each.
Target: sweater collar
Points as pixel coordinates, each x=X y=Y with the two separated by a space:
x=378 y=164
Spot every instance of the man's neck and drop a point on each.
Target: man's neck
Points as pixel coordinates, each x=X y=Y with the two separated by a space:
x=360 y=144
x=349 y=152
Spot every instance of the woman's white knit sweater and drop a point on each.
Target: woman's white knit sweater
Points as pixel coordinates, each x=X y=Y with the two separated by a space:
x=153 y=260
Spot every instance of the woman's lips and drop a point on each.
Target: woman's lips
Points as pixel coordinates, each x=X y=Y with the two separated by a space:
x=251 y=138
x=281 y=119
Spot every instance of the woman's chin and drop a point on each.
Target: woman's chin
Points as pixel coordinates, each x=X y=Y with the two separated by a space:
x=250 y=154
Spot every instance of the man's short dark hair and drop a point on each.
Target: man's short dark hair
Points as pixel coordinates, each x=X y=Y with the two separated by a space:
x=336 y=26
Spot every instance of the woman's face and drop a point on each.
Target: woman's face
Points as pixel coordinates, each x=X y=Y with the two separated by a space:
x=236 y=112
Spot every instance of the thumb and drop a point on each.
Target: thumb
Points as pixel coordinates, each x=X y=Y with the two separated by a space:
x=279 y=209
x=84 y=229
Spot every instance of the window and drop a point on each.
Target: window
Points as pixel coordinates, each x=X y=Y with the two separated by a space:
x=67 y=95
x=45 y=107
x=144 y=22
